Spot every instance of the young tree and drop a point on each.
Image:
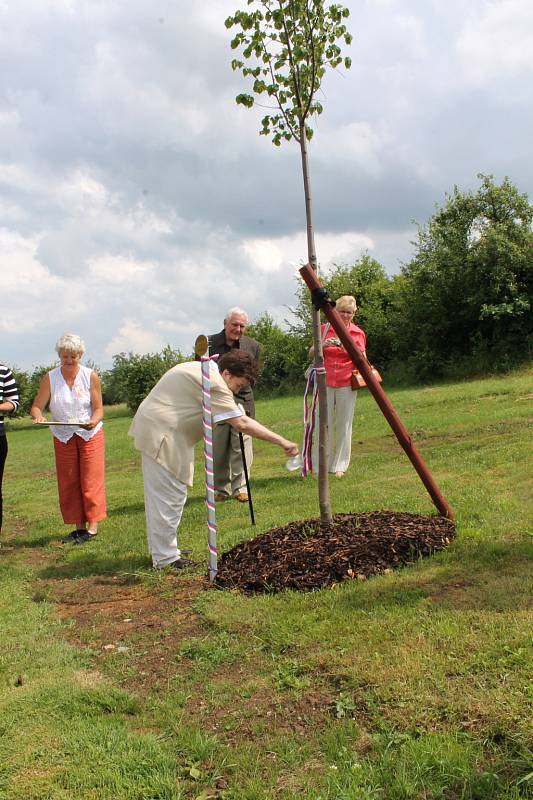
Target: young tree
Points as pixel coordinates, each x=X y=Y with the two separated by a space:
x=287 y=46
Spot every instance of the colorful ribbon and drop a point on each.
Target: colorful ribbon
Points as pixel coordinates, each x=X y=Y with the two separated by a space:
x=310 y=405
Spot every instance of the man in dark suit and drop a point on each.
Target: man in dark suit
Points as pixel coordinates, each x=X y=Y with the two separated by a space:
x=229 y=471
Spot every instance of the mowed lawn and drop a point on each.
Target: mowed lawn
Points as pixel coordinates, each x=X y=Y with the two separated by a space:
x=117 y=682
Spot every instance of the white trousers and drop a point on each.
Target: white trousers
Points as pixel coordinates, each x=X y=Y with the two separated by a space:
x=227 y=460
x=164 y=499
x=341 y=409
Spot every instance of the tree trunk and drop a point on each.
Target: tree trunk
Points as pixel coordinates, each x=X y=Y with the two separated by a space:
x=323 y=478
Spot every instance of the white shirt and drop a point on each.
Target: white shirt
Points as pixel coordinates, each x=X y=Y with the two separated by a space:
x=71 y=404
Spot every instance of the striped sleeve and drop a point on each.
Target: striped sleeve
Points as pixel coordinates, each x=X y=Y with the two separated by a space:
x=8 y=387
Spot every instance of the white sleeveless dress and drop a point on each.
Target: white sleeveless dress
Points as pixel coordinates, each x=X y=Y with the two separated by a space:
x=71 y=405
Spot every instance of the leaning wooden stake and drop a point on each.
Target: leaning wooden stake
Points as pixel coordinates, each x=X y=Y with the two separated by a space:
x=321 y=300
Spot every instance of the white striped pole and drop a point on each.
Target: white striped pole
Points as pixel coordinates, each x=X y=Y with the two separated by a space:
x=209 y=468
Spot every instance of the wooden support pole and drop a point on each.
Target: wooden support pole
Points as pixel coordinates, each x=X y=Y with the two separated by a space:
x=388 y=410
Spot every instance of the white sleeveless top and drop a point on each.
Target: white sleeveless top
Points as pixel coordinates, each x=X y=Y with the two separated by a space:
x=74 y=404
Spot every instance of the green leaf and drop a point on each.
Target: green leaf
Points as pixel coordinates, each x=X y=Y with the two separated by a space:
x=244 y=100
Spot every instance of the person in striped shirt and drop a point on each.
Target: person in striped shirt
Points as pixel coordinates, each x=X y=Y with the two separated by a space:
x=9 y=402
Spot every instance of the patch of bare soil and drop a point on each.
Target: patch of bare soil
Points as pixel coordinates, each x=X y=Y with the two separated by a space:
x=265 y=711
x=147 y=622
x=148 y=625
x=306 y=555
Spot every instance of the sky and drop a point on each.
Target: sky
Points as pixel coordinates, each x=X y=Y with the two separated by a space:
x=138 y=202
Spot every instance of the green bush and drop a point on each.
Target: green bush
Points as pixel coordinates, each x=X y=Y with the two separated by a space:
x=283 y=357
x=114 y=380
x=28 y=384
x=466 y=296
x=133 y=376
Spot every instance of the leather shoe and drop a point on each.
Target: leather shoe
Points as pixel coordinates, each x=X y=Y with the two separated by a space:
x=182 y=563
x=242 y=497
x=84 y=536
x=72 y=536
x=219 y=497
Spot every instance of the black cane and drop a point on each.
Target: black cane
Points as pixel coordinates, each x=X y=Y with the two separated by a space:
x=241 y=442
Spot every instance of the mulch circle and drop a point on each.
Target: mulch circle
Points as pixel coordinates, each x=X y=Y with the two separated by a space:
x=305 y=555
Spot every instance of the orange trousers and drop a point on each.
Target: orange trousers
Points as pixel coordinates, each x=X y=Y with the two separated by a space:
x=80 y=478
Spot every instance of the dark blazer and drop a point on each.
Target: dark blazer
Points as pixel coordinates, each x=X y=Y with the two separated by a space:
x=218 y=346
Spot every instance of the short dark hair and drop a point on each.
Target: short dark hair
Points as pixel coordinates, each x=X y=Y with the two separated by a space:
x=240 y=364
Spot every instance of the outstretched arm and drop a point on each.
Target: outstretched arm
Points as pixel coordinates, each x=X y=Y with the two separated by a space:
x=252 y=427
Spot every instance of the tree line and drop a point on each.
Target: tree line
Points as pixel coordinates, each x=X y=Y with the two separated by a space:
x=461 y=307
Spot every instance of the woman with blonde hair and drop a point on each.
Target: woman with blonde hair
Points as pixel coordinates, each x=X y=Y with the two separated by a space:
x=341 y=397
x=75 y=395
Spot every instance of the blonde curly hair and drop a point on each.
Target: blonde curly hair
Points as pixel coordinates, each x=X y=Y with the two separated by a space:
x=346 y=303
x=70 y=343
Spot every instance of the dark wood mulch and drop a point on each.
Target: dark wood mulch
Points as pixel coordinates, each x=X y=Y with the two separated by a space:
x=305 y=555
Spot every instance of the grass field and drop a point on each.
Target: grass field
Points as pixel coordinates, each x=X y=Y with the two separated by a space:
x=116 y=682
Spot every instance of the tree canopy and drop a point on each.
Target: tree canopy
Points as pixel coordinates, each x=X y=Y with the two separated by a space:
x=287 y=46
x=467 y=293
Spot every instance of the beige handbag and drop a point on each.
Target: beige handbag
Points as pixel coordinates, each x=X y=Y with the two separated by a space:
x=358 y=382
